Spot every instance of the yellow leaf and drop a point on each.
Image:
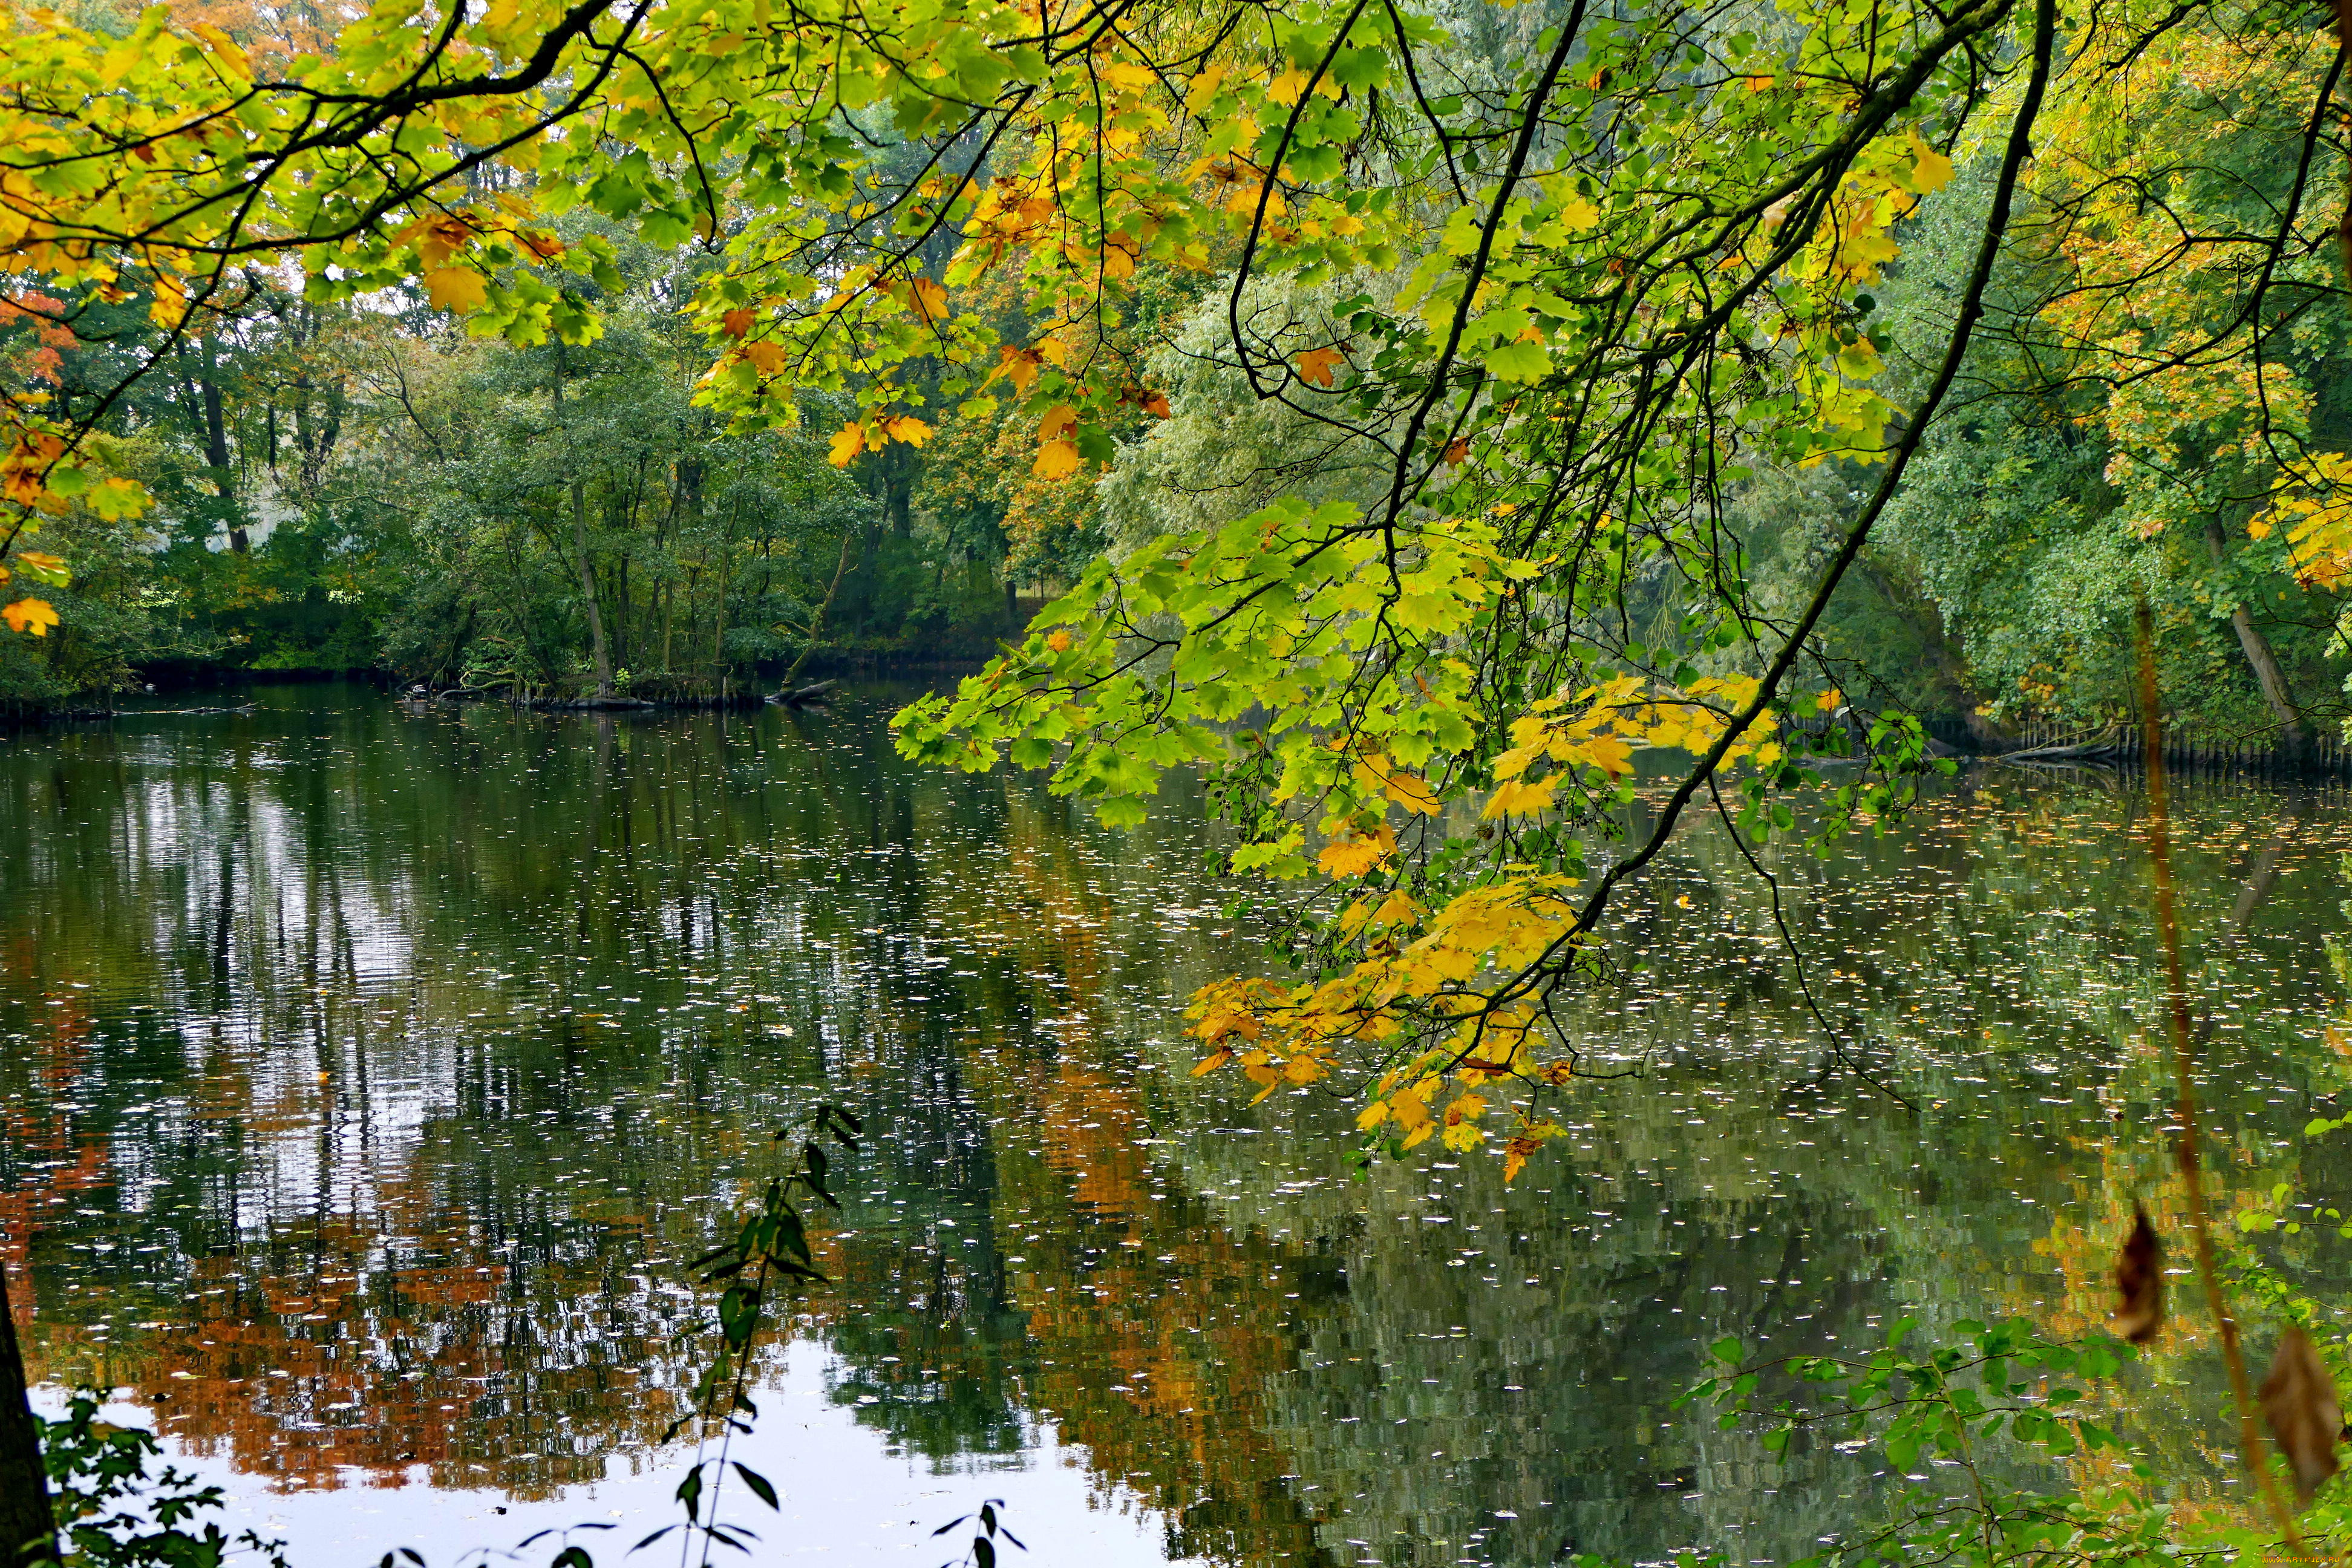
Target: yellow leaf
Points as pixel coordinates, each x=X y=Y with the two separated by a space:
x=171 y=303
x=33 y=615
x=1059 y=421
x=1056 y=460
x=1059 y=642
x=1828 y=701
x=768 y=356
x=847 y=443
x=1517 y=797
x=930 y=300
x=1286 y=88
x=458 y=289
x=1930 y=170
x=40 y=564
x=1353 y=857
x=908 y=428
x=1412 y=793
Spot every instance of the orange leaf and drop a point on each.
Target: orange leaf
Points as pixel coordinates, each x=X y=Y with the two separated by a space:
x=768 y=356
x=846 y=444
x=1059 y=421
x=1458 y=451
x=930 y=300
x=907 y=428
x=33 y=615
x=738 y=323
x=1315 y=366
x=1018 y=366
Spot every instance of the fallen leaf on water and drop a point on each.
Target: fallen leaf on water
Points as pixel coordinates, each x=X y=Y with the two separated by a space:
x=2299 y=1401
x=2139 y=1283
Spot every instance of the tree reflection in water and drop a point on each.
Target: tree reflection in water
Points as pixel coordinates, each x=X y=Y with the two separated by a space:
x=373 y=1072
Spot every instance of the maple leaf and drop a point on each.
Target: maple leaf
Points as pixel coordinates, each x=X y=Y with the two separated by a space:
x=1516 y=796
x=1056 y=460
x=908 y=428
x=1315 y=366
x=930 y=300
x=737 y=322
x=1058 y=422
x=458 y=289
x=1018 y=366
x=847 y=443
x=768 y=356
x=1353 y=857
x=1458 y=452
x=34 y=616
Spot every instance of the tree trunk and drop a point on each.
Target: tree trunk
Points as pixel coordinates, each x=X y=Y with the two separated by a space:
x=597 y=650
x=216 y=453
x=2294 y=741
x=816 y=621
x=28 y=1531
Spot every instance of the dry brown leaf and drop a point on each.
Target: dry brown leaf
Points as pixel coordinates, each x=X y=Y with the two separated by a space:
x=2139 y=1283
x=2299 y=1401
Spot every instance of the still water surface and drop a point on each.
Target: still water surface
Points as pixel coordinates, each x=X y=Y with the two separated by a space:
x=370 y=1071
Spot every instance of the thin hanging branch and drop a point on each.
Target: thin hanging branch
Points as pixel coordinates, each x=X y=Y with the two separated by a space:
x=2252 y=1451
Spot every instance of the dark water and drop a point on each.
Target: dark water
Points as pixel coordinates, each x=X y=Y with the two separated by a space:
x=372 y=1071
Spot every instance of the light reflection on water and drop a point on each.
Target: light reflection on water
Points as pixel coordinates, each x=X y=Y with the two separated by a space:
x=374 y=1069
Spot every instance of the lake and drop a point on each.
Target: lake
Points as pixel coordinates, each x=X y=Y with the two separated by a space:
x=375 y=1069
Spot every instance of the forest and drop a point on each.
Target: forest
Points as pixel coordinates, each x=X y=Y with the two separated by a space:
x=1500 y=477
x=551 y=488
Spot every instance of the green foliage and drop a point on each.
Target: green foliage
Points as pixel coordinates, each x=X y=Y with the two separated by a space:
x=114 y=1513
x=1975 y=1434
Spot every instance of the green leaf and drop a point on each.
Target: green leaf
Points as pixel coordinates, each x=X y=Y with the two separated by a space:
x=759 y=1485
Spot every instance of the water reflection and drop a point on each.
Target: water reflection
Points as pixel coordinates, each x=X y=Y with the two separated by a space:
x=374 y=1069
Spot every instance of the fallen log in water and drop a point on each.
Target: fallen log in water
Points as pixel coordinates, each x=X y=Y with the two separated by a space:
x=585 y=704
x=2106 y=743
x=146 y=712
x=803 y=696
